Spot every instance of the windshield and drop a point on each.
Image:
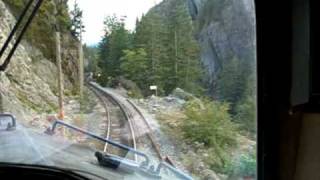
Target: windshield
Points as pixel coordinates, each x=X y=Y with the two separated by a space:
x=131 y=89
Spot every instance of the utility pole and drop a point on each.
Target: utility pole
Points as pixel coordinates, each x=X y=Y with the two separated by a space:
x=1 y=104
x=81 y=73
x=81 y=64
x=60 y=75
x=58 y=61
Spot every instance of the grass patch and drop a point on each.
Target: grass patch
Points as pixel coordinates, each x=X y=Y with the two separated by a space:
x=87 y=102
x=206 y=133
x=28 y=103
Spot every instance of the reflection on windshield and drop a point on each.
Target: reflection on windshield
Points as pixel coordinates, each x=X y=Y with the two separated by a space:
x=132 y=89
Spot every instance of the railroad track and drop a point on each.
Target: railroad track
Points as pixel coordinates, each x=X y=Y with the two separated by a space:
x=119 y=124
x=151 y=135
x=115 y=130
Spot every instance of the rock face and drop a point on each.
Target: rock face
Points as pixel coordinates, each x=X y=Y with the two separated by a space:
x=29 y=84
x=226 y=29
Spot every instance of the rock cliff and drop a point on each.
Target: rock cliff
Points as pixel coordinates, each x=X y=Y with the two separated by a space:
x=29 y=85
x=225 y=29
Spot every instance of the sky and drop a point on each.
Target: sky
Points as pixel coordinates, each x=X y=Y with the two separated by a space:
x=95 y=11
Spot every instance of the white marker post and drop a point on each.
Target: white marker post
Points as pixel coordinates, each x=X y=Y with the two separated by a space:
x=154 y=88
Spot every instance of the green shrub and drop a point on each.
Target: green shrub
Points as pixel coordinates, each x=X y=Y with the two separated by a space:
x=132 y=88
x=246 y=115
x=210 y=123
x=220 y=160
x=247 y=165
x=15 y=6
x=87 y=102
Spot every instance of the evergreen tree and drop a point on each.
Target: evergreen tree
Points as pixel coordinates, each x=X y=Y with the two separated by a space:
x=134 y=66
x=91 y=56
x=183 y=49
x=77 y=26
x=172 y=50
x=235 y=83
x=115 y=41
x=151 y=33
x=171 y=57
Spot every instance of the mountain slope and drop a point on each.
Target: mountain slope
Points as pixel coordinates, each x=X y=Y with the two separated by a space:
x=225 y=30
x=29 y=84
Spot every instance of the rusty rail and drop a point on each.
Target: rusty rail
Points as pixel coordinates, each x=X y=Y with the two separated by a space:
x=124 y=111
x=151 y=135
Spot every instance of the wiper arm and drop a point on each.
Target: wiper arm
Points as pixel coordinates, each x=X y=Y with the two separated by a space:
x=6 y=62
x=115 y=161
x=90 y=134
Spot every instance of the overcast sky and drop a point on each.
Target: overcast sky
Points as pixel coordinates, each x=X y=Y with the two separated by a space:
x=94 y=12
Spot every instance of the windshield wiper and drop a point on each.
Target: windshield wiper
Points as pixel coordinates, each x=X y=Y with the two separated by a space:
x=116 y=162
x=16 y=27
x=112 y=161
x=92 y=135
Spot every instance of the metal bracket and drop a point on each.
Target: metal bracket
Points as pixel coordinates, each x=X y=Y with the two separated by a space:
x=10 y=126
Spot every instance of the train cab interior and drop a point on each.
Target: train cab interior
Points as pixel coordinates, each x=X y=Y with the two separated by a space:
x=289 y=109
x=288 y=94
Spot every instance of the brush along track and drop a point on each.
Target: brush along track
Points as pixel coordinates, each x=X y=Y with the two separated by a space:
x=151 y=135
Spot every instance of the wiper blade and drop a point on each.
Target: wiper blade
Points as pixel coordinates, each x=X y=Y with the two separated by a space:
x=15 y=29
x=119 y=163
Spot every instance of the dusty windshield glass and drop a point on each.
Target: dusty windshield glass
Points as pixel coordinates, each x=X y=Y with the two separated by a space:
x=133 y=89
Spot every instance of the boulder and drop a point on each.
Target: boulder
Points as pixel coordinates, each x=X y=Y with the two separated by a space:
x=180 y=93
x=210 y=175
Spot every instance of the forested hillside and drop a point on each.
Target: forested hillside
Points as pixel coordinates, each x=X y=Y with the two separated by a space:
x=205 y=47
x=226 y=34
x=41 y=35
x=163 y=48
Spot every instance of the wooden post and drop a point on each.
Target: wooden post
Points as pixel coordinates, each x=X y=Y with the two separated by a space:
x=60 y=76
x=59 y=65
x=1 y=104
x=81 y=65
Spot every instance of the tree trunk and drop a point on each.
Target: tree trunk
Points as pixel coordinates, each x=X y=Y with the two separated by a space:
x=60 y=75
x=176 y=56
x=187 y=70
x=1 y=104
x=152 y=49
x=81 y=69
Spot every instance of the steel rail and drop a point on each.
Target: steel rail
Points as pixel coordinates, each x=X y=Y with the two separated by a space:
x=124 y=111
x=151 y=135
x=107 y=114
